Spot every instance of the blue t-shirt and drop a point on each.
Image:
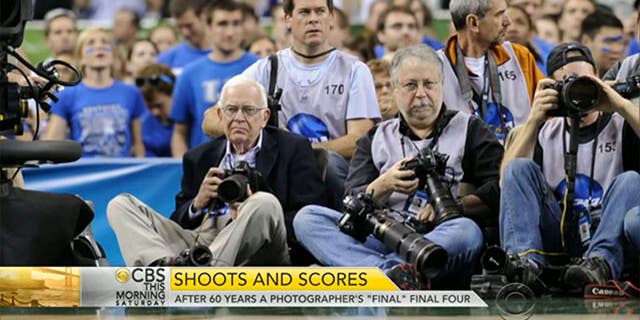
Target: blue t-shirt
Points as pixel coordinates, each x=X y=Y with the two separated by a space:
x=180 y=56
x=198 y=88
x=100 y=119
x=156 y=136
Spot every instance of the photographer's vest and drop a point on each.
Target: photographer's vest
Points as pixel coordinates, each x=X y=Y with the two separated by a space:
x=607 y=165
x=628 y=68
x=505 y=106
x=388 y=146
x=315 y=107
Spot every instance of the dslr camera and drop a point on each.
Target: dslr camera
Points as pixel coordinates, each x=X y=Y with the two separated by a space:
x=578 y=95
x=362 y=217
x=233 y=187
x=429 y=166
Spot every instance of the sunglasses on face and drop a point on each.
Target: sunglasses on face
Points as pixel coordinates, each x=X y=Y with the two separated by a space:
x=154 y=80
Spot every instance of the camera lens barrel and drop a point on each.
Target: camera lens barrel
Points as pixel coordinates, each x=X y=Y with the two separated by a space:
x=580 y=94
x=233 y=188
x=494 y=260
x=200 y=256
x=428 y=257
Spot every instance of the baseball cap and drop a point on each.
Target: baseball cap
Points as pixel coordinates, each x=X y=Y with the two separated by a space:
x=559 y=56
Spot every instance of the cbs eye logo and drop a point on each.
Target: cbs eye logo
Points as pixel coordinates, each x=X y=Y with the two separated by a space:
x=123 y=275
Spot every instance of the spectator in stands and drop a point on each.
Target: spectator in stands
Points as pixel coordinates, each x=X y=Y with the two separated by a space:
x=623 y=70
x=251 y=232
x=250 y=24
x=424 y=122
x=603 y=34
x=424 y=19
x=521 y=31
x=199 y=87
x=570 y=21
x=397 y=29
x=279 y=30
x=531 y=7
x=155 y=82
x=607 y=183
x=340 y=33
x=193 y=27
x=101 y=113
x=262 y=46
x=142 y=53
x=360 y=47
x=328 y=96
x=552 y=8
x=547 y=29
x=164 y=37
x=381 y=78
x=126 y=25
x=60 y=31
x=106 y=10
x=487 y=76
x=532 y=10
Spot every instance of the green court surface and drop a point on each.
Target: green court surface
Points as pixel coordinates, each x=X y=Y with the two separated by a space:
x=541 y=308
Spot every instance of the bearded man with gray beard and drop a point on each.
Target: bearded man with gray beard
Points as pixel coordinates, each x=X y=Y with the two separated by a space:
x=377 y=168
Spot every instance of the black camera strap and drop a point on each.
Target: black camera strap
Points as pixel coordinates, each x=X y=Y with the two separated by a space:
x=491 y=86
x=569 y=220
x=273 y=94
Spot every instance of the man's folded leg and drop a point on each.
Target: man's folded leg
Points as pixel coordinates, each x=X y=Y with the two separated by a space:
x=256 y=237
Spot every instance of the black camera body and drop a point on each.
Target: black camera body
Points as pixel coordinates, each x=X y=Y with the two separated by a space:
x=429 y=165
x=362 y=216
x=233 y=187
x=578 y=95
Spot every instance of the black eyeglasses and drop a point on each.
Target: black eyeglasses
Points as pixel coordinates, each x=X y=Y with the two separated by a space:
x=154 y=80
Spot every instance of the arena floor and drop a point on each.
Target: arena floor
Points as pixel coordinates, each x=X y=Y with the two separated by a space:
x=542 y=308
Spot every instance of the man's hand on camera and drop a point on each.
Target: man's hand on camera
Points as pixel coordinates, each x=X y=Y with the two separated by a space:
x=610 y=100
x=233 y=207
x=393 y=180
x=426 y=214
x=545 y=99
x=208 y=188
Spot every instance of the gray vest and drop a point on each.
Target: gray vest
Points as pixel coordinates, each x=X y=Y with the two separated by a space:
x=324 y=97
x=513 y=87
x=608 y=161
x=387 y=149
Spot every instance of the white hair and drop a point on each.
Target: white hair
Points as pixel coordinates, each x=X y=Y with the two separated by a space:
x=242 y=79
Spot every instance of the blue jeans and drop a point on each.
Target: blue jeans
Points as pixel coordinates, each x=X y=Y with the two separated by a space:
x=530 y=215
x=337 y=168
x=632 y=227
x=317 y=230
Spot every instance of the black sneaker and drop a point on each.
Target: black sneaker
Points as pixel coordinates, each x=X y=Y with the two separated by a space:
x=406 y=277
x=589 y=270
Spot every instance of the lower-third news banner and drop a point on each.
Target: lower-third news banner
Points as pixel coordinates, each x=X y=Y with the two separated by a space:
x=256 y=287
x=199 y=287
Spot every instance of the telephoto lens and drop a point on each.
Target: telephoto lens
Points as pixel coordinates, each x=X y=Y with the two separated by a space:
x=428 y=257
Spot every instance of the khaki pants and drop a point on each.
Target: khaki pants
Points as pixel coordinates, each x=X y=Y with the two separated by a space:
x=256 y=237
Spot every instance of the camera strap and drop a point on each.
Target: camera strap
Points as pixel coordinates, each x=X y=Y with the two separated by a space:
x=273 y=94
x=573 y=225
x=490 y=87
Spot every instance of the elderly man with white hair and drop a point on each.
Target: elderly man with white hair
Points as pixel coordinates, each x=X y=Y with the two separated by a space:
x=252 y=231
